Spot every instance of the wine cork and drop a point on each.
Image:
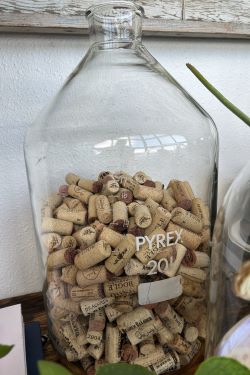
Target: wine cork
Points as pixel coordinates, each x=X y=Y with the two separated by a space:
x=79 y=330
x=54 y=275
x=57 y=313
x=112 y=237
x=127 y=182
x=170 y=362
x=150 y=183
x=68 y=242
x=202 y=260
x=121 y=286
x=182 y=194
x=61 y=258
x=87 y=362
x=134 y=229
x=98 y=227
x=168 y=202
x=93 y=275
x=85 y=236
x=129 y=353
x=91 y=292
x=71 y=355
x=73 y=215
x=69 y=274
x=103 y=209
x=143 y=218
x=189 y=239
x=194 y=349
x=241 y=282
x=72 y=203
x=147 y=346
x=146 y=330
x=90 y=185
x=94 y=337
x=190 y=308
x=112 y=344
x=169 y=253
x=160 y=219
x=191 y=333
x=79 y=193
x=131 y=208
x=92 y=212
x=51 y=225
x=51 y=241
x=195 y=274
x=201 y=210
x=92 y=255
x=97 y=320
x=125 y=196
x=192 y=288
x=124 y=304
x=103 y=176
x=68 y=304
x=146 y=252
x=176 y=255
x=186 y=220
x=88 y=307
x=112 y=313
x=72 y=179
x=165 y=336
x=96 y=351
x=141 y=177
x=111 y=187
x=54 y=200
x=121 y=254
x=120 y=216
x=71 y=340
x=143 y=192
x=134 y=319
x=180 y=345
x=152 y=205
x=135 y=267
x=63 y=190
x=46 y=211
x=201 y=325
x=151 y=358
x=172 y=320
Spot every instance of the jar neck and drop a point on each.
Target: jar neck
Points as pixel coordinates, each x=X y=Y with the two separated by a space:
x=115 y=23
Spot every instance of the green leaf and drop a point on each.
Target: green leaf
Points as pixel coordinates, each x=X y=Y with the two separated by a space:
x=222 y=366
x=122 y=369
x=5 y=349
x=51 y=368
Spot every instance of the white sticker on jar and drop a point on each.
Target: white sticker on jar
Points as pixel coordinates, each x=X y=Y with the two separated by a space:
x=159 y=291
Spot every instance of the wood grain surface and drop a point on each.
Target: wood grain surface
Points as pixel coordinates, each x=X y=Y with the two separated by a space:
x=195 y=18
x=33 y=310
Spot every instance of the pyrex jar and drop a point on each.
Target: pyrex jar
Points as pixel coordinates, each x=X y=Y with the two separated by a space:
x=229 y=307
x=125 y=239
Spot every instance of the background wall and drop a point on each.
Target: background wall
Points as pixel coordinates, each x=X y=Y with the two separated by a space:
x=32 y=68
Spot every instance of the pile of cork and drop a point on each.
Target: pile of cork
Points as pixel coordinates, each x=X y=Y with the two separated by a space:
x=95 y=268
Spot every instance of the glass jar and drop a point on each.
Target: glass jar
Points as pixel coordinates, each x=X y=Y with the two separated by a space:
x=229 y=310
x=125 y=242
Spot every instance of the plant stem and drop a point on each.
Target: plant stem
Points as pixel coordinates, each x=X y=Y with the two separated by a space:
x=219 y=96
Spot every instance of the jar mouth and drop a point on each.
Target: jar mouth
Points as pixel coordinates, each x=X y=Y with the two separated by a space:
x=108 y=9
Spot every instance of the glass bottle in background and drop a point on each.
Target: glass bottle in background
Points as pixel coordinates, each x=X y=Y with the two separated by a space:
x=129 y=232
x=229 y=310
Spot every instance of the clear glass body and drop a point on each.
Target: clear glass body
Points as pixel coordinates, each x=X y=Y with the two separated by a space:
x=120 y=110
x=229 y=310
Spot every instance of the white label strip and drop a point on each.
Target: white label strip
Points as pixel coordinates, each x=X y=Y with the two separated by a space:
x=159 y=291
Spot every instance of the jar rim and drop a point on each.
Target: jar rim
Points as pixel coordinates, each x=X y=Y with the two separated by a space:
x=115 y=5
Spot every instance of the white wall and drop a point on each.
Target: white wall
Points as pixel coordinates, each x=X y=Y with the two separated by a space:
x=31 y=71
